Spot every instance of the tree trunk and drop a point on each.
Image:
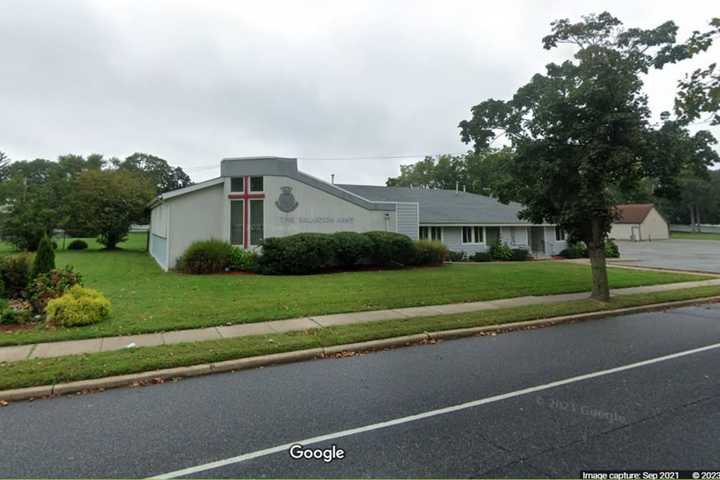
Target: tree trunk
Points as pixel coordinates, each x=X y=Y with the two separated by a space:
x=596 y=252
x=697 y=219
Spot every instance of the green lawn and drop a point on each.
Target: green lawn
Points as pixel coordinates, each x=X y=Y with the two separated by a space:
x=80 y=367
x=695 y=236
x=145 y=299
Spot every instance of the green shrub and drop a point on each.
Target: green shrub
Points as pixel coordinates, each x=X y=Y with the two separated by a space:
x=51 y=285
x=391 y=249
x=77 y=245
x=500 y=251
x=206 y=256
x=78 y=306
x=44 y=258
x=243 y=260
x=480 y=257
x=456 y=256
x=54 y=245
x=611 y=249
x=298 y=254
x=2 y=289
x=575 y=250
x=520 y=255
x=429 y=252
x=15 y=273
x=351 y=248
x=10 y=316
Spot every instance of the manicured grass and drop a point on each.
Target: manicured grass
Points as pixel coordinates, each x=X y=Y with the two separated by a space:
x=695 y=236
x=81 y=367
x=146 y=299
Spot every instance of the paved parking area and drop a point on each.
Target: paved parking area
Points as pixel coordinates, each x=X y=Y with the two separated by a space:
x=697 y=255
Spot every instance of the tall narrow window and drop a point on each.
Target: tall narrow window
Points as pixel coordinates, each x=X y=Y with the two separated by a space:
x=236 y=222
x=436 y=233
x=256 y=184
x=478 y=233
x=424 y=233
x=467 y=235
x=256 y=221
x=237 y=184
x=559 y=234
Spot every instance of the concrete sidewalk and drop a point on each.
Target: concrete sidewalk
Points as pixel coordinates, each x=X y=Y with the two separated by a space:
x=74 y=347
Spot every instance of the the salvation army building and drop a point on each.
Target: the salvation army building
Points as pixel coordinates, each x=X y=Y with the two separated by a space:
x=261 y=197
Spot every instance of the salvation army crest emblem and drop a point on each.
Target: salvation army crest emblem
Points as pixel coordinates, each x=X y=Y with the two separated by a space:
x=286 y=201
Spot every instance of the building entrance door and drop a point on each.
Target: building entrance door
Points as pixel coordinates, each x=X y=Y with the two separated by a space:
x=537 y=241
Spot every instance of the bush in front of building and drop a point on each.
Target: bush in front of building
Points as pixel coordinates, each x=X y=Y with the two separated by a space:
x=15 y=273
x=78 y=306
x=575 y=250
x=480 y=257
x=243 y=260
x=430 y=252
x=520 y=255
x=391 y=249
x=457 y=256
x=298 y=254
x=206 y=256
x=611 y=249
x=351 y=248
x=77 y=244
x=500 y=251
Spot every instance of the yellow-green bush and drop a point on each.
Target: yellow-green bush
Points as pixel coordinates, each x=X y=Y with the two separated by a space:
x=78 y=306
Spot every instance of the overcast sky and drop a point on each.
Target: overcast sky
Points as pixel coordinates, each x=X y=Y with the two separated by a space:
x=194 y=82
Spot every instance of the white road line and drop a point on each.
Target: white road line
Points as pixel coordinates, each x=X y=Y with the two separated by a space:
x=428 y=414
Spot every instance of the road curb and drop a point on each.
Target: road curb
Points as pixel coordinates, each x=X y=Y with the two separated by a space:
x=157 y=376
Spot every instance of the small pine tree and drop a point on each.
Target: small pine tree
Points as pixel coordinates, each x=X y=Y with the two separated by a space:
x=44 y=258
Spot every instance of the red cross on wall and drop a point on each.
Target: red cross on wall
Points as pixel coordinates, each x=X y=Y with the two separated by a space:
x=245 y=196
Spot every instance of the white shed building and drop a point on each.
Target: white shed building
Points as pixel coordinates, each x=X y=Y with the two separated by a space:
x=261 y=197
x=639 y=222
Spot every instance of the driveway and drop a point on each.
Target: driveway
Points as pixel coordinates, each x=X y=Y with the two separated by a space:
x=639 y=391
x=697 y=255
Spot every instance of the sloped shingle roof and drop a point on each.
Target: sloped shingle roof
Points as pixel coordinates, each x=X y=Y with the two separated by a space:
x=444 y=206
x=634 y=213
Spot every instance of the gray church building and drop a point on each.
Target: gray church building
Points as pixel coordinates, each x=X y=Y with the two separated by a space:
x=261 y=197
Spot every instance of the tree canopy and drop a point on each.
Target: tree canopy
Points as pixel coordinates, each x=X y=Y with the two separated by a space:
x=162 y=175
x=582 y=131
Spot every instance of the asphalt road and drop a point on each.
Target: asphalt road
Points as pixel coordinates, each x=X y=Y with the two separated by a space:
x=698 y=255
x=661 y=414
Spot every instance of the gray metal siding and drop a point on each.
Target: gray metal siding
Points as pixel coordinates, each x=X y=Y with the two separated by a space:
x=407 y=219
x=158 y=250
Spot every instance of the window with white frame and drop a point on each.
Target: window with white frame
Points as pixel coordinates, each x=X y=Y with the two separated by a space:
x=431 y=233
x=560 y=234
x=473 y=235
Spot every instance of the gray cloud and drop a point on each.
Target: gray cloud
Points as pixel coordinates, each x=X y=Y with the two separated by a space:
x=196 y=81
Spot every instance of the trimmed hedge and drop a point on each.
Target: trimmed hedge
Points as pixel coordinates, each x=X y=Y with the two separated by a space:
x=243 y=260
x=351 y=248
x=391 y=249
x=206 y=256
x=297 y=254
x=519 y=255
x=306 y=253
x=480 y=257
x=77 y=245
x=611 y=249
x=430 y=252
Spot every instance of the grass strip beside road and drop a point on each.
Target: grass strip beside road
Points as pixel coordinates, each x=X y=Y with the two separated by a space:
x=695 y=236
x=49 y=371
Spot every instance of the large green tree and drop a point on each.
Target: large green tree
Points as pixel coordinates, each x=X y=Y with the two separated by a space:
x=158 y=171
x=582 y=131
x=477 y=172
x=107 y=202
